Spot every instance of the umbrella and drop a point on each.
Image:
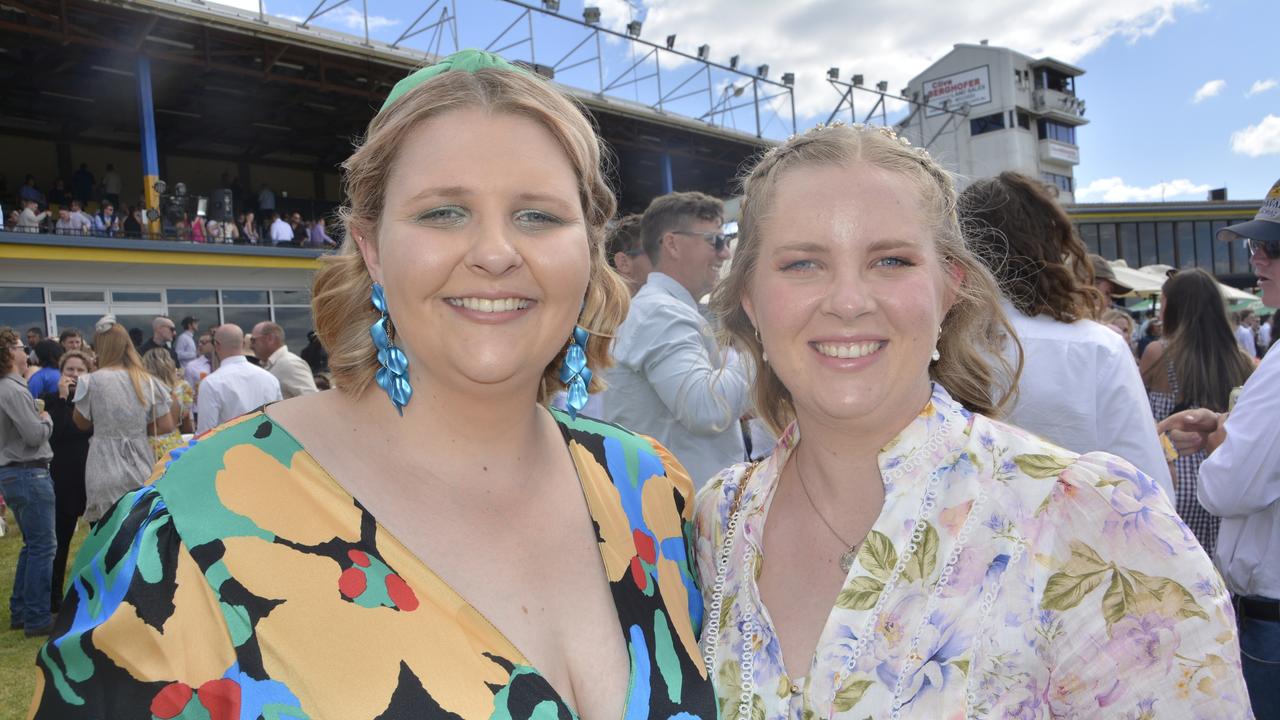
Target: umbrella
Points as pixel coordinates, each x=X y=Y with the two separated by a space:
x=1143 y=283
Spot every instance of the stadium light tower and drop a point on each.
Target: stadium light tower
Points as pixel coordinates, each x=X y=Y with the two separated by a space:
x=763 y=72
x=551 y=5
x=671 y=42
x=733 y=63
x=883 y=86
x=833 y=73
x=633 y=28
x=857 y=81
x=704 y=52
x=591 y=15
x=788 y=79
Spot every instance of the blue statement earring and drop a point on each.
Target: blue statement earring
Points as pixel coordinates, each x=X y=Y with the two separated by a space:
x=393 y=375
x=574 y=372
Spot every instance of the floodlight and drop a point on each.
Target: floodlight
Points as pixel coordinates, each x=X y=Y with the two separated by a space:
x=883 y=86
x=833 y=73
x=160 y=186
x=704 y=52
x=788 y=79
x=733 y=63
x=671 y=41
x=857 y=80
x=903 y=92
x=551 y=5
x=591 y=15
x=633 y=28
x=762 y=71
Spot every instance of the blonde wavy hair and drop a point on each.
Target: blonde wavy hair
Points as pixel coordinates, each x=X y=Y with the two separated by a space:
x=115 y=349
x=340 y=292
x=972 y=367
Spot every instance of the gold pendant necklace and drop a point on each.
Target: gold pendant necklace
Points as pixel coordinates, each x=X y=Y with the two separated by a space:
x=848 y=556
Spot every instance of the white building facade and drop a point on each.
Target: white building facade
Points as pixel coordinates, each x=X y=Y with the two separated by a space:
x=982 y=110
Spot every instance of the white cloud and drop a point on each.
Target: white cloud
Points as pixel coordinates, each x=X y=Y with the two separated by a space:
x=1261 y=86
x=1258 y=140
x=894 y=41
x=1114 y=189
x=1208 y=90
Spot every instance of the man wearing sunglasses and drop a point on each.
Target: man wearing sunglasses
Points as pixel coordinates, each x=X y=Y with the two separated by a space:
x=1240 y=480
x=671 y=379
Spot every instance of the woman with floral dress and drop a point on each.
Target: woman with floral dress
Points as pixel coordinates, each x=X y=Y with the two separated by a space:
x=160 y=364
x=902 y=554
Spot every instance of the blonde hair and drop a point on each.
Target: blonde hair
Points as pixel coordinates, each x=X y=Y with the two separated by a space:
x=340 y=293
x=114 y=348
x=75 y=355
x=972 y=367
x=159 y=363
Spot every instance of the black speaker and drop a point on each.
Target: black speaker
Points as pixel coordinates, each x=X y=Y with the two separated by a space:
x=220 y=206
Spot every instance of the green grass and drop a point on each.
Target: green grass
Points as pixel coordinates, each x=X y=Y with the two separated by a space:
x=17 y=651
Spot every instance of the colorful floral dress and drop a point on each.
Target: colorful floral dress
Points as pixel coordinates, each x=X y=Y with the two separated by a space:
x=1004 y=578
x=172 y=440
x=246 y=583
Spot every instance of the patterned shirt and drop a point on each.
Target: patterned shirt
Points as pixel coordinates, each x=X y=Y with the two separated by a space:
x=247 y=583
x=1005 y=577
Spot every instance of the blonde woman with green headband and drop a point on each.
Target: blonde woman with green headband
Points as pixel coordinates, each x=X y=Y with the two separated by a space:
x=429 y=540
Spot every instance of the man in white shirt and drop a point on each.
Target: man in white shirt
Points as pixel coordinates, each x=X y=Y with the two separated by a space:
x=1247 y=323
x=236 y=387
x=1264 y=333
x=112 y=185
x=185 y=345
x=1240 y=480
x=671 y=380
x=294 y=374
x=202 y=364
x=281 y=233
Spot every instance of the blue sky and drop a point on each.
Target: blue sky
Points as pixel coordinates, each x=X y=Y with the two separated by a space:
x=1167 y=81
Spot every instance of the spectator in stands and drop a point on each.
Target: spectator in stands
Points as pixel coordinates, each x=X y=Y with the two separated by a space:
x=1027 y=241
x=671 y=380
x=198 y=230
x=320 y=238
x=249 y=230
x=294 y=374
x=111 y=185
x=1246 y=326
x=58 y=194
x=71 y=340
x=236 y=387
x=162 y=334
x=300 y=234
x=71 y=223
x=28 y=191
x=48 y=352
x=133 y=224
x=82 y=184
x=626 y=252
x=29 y=220
x=123 y=405
x=1195 y=364
x=106 y=222
x=281 y=234
x=70 y=447
x=266 y=201
x=184 y=347
x=25 y=483
x=196 y=370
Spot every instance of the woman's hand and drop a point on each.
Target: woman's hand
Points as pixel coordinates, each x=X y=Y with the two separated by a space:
x=1192 y=430
x=64 y=386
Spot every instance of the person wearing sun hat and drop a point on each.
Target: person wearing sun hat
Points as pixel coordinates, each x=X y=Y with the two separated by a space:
x=1240 y=480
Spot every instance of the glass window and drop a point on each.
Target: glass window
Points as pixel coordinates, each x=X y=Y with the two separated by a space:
x=123 y=296
x=1107 y=241
x=1062 y=182
x=246 y=317
x=296 y=322
x=139 y=326
x=1147 y=253
x=244 y=297
x=208 y=316
x=291 y=297
x=1089 y=234
x=1024 y=120
x=22 y=295
x=1221 y=250
x=83 y=323
x=1185 y=233
x=20 y=318
x=77 y=296
x=1129 y=243
x=1239 y=253
x=1050 y=130
x=1164 y=243
x=1204 y=245
x=986 y=124
x=193 y=297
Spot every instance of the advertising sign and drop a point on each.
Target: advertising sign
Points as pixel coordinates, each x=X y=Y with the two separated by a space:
x=971 y=87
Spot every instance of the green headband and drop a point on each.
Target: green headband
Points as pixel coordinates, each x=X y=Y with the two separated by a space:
x=463 y=60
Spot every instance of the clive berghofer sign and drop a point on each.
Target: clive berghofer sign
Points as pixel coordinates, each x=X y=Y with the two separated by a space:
x=971 y=87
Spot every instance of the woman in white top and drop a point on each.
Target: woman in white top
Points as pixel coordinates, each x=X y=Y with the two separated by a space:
x=1080 y=386
x=123 y=404
x=902 y=554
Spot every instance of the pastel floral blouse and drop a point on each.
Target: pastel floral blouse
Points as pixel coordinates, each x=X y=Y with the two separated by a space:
x=1004 y=578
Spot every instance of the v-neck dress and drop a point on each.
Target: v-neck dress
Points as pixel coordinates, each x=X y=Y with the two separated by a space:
x=246 y=583
x=1004 y=578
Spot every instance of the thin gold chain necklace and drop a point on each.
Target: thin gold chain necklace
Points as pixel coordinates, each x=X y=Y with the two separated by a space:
x=847 y=557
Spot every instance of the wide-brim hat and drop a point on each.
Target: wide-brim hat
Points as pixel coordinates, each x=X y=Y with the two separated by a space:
x=1102 y=271
x=1264 y=226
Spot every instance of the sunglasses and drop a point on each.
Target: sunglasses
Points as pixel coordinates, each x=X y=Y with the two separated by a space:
x=1271 y=248
x=715 y=239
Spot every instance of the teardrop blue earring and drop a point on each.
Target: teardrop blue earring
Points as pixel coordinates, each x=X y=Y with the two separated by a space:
x=393 y=375
x=574 y=372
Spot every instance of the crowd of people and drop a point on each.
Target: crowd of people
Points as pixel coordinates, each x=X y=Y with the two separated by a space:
x=903 y=427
